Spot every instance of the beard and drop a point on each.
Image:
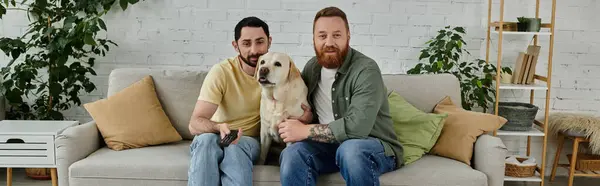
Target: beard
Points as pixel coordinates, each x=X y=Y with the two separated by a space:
x=329 y=61
x=249 y=62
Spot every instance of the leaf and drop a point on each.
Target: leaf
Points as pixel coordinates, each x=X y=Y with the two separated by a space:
x=102 y=24
x=423 y=55
x=15 y=53
x=89 y=87
x=55 y=88
x=460 y=29
x=55 y=115
x=40 y=88
x=112 y=42
x=41 y=3
x=91 y=61
x=455 y=37
x=123 y=4
x=89 y=40
x=2 y=11
x=92 y=71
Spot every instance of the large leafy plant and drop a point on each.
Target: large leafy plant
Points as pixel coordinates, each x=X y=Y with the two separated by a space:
x=445 y=54
x=50 y=63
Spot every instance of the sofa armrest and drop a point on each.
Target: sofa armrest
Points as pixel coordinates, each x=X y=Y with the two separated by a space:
x=489 y=155
x=74 y=144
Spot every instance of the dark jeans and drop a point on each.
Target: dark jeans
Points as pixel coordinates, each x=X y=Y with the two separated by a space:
x=360 y=161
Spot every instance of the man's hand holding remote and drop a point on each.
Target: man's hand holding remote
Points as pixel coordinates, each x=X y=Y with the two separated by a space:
x=224 y=131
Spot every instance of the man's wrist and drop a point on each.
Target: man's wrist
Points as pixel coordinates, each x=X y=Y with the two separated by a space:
x=217 y=127
x=321 y=133
x=307 y=129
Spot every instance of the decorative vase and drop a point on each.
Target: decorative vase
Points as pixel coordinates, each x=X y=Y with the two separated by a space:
x=522 y=27
x=505 y=77
x=534 y=24
x=520 y=115
x=38 y=173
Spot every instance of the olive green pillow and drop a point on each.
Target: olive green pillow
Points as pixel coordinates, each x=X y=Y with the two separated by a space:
x=417 y=131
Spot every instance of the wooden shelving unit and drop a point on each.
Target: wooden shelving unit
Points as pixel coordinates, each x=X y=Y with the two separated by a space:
x=542 y=83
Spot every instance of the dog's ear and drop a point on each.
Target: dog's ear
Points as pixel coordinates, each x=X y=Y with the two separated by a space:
x=293 y=72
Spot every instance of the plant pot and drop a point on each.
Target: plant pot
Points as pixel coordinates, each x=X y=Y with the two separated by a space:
x=520 y=115
x=522 y=27
x=529 y=25
x=38 y=173
x=505 y=77
x=534 y=24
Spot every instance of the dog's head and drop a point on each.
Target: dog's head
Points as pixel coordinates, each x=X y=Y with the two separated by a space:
x=275 y=68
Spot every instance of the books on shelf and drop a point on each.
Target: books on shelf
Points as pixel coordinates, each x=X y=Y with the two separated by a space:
x=524 y=70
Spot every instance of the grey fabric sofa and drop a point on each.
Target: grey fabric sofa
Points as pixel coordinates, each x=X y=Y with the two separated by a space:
x=84 y=160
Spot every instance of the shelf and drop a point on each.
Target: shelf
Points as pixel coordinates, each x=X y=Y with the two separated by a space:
x=523 y=86
x=534 y=131
x=585 y=173
x=536 y=178
x=521 y=33
x=495 y=24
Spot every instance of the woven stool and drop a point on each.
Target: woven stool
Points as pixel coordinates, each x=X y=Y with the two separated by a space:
x=577 y=138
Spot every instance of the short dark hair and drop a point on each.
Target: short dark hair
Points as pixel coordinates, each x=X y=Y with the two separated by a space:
x=331 y=12
x=250 y=22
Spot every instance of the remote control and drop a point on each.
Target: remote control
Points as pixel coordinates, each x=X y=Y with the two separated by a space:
x=228 y=138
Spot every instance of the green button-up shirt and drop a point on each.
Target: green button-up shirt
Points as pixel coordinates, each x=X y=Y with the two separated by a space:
x=359 y=102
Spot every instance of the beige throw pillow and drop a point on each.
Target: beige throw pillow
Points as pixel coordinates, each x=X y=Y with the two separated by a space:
x=133 y=118
x=461 y=129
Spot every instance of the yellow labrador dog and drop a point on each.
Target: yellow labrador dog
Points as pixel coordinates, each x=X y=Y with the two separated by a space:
x=283 y=93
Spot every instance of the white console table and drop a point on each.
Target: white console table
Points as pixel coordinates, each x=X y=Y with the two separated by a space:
x=30 y=144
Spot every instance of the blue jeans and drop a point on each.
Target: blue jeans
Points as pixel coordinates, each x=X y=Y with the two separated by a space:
x=360 y=162
x=212 y=165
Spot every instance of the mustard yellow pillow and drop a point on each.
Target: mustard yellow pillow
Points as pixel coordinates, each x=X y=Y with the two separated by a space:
x=133 y=118
x=461 y=129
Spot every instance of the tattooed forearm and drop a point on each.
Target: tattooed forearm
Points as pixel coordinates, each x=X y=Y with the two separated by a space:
x=321 y=133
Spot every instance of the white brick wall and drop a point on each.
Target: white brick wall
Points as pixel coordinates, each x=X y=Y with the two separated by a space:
x=198 y=34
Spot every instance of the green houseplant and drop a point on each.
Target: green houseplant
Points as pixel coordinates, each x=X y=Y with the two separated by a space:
x=445 y=54
x=525 y=24
x=50 y=63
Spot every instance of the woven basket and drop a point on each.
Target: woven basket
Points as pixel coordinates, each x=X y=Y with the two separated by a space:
x=586 y=162
x=38 y=173
x=520 y=116
x=519 y=171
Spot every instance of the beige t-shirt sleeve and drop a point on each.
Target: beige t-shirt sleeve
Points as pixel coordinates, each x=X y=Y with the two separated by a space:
x=213 y=87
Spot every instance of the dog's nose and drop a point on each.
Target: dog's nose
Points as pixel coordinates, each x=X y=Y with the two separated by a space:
x=263 y=71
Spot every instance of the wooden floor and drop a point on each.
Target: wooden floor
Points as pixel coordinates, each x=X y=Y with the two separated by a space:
x=19 y=179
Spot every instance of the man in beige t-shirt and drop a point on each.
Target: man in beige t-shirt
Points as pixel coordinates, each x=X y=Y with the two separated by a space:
x=230 y=99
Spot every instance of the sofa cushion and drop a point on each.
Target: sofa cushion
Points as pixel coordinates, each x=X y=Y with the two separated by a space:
x=429 y=170
x=133 y=117
x=461 y=129
x=424 y=91
x=177 y=89
x=416 y=130
x=164 y=162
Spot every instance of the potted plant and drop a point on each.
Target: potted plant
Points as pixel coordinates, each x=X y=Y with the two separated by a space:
x=50 y=63
x=445 y=54
x=526 y=24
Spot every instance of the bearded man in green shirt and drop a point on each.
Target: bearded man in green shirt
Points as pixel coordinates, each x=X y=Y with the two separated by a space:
x=351 y=131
